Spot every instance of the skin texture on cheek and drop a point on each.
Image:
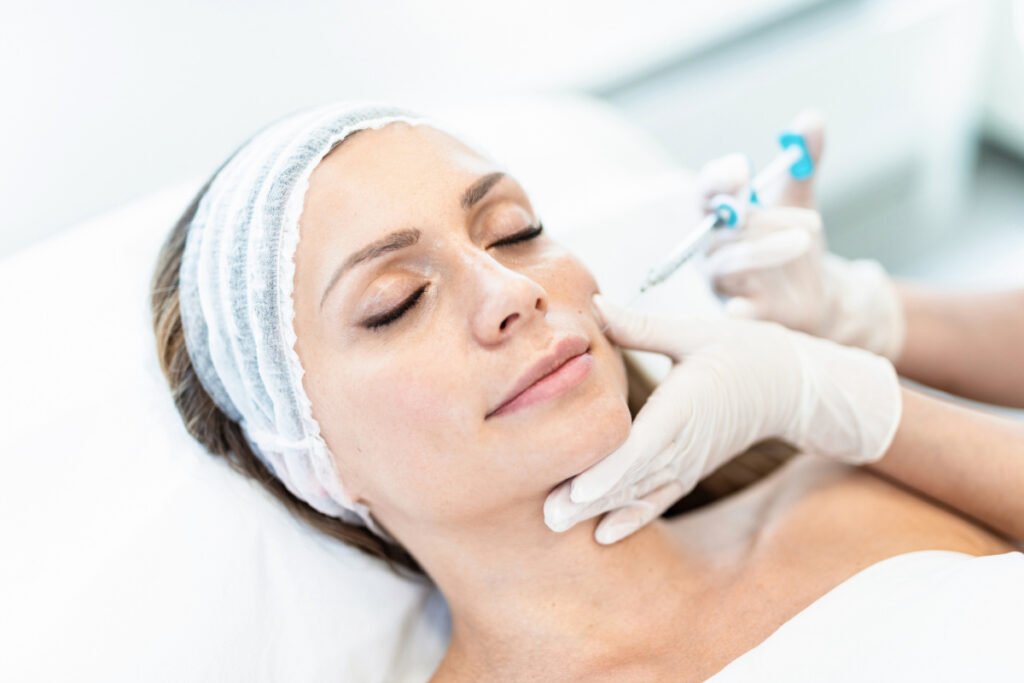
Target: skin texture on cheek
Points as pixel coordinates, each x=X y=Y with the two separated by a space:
x=403 y=408
x=422 y=452
x=411 y=434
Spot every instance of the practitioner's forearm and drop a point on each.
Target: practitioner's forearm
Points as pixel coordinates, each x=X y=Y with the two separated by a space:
x=971 y=345
x=968 y=460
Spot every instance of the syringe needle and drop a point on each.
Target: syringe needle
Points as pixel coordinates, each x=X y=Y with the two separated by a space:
x=681 y=253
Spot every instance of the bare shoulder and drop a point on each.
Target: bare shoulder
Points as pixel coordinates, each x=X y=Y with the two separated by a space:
x=813 y=523
x=855 y=513
x=776 y=547
x=825 y=522
x=810 y=503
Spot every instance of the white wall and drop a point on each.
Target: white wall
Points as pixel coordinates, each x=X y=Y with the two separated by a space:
x=107 y=100
x=901 y=83
x=104 y=100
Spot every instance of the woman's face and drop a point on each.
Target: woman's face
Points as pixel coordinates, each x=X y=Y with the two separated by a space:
x=410 y=349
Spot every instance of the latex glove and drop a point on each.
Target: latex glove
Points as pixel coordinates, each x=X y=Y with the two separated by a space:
x=775 y=266
x=727 y=174
x=732 y=383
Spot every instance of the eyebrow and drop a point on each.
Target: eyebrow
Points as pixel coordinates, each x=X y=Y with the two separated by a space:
x=401 y=239
x=475 y=192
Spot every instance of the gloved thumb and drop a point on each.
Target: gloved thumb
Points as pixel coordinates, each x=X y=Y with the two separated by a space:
x=633 y=330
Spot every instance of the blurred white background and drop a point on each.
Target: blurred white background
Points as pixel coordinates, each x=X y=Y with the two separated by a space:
x=109 y=100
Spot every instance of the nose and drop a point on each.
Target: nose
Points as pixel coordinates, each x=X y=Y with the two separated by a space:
x=507 y=301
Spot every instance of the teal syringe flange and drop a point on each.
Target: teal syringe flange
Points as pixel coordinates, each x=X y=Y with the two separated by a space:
x=802 y=168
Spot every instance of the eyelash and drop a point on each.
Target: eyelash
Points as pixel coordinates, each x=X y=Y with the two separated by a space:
x=527 y=234
x=377 y=322
x=396 y=313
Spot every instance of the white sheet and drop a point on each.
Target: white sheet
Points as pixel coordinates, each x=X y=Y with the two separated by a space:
x=931 y=615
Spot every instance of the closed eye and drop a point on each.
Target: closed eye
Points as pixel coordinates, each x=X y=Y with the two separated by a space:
x=384 y=319
x=394 y=314
x=528 y=234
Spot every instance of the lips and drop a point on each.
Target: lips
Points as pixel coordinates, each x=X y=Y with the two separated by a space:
x=560 y=353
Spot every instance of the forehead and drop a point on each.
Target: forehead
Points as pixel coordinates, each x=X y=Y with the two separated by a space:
x=388 y=174
x=397 y=160
x=379 y=180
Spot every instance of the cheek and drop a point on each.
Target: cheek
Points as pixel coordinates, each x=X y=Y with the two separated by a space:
x=394 y=428
x=561 y=273
x=408 y=430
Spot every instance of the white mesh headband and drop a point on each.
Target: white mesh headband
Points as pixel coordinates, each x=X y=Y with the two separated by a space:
x=236 y=295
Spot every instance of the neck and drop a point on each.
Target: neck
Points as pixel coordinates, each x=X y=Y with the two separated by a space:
x=522 y=596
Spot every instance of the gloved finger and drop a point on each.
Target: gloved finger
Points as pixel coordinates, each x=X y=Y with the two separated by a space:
x=725 y=175
x=655 y=426
x=770 y=251
x=810 y=123
x=764 y=221
x=792 y=192
x=561 y=513
x=741 y=307
x=624 y=521
x=634 y=330
x=734 y=284
x=661 y=434
x=761 y=222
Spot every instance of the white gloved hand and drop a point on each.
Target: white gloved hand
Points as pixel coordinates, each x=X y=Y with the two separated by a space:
x=733 y=383
x=775 y=266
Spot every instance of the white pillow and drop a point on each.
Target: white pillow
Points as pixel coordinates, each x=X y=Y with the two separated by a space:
x=132 y=555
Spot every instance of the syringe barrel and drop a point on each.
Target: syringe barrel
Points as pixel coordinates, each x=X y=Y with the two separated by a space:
x=681 y=252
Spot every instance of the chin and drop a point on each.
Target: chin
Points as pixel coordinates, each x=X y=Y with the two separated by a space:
x=566 y=435
x=591 y=427
x=609 y=428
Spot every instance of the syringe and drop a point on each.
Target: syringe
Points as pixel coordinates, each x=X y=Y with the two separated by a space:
x=728 y=211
